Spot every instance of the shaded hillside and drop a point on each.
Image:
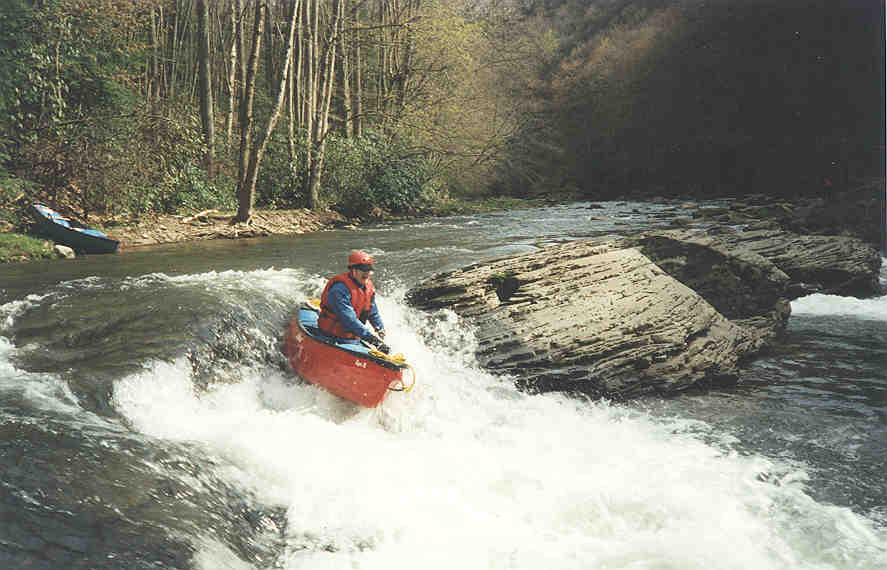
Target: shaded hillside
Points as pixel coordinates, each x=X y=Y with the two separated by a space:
x=713 y=97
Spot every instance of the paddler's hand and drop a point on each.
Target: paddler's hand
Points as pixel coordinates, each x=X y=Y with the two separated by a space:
x=381 y=333
x=377 y=342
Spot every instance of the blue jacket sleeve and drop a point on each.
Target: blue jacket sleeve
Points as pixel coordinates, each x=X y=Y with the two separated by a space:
x=340 y=299
x=376 y=317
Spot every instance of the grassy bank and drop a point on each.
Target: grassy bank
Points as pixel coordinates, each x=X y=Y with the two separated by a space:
x=19 y=247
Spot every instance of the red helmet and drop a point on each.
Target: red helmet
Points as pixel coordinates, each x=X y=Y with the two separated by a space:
x=358 y=257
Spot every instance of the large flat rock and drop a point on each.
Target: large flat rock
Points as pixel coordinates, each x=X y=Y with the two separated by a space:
x=595 y=317
x=661 y=311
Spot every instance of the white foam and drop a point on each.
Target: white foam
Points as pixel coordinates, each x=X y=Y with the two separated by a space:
x=833 y=305
x=213 y=555
x=43 y=391
x=9 y=312
x=464 y=471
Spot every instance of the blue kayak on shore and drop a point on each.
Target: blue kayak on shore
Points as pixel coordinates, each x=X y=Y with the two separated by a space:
x=72 y=233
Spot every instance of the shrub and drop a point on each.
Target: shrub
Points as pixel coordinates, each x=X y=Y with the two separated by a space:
x=281 y=182
x=373 y=172
x=193 y=191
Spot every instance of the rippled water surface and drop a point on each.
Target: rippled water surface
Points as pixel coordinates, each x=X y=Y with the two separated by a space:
x=149 y=421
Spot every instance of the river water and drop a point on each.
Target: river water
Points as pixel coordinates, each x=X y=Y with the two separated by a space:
x=149 y=421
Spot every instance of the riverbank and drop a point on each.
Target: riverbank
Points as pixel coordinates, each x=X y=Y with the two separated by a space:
x=854 y=212
x=155 y=229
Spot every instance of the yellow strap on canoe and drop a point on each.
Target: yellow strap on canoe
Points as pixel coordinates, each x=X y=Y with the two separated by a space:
x=397 y=358
x=403 y=387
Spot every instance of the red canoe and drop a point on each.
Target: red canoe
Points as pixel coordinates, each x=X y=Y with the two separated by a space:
x=355 y=372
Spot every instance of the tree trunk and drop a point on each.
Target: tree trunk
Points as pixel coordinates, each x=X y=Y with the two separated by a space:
x=300 y=59
x=269 y=50
x=357 y=117
x=290 y=113
x=206 y=94
x=347 y=111
x=327 y=76
x=382 y=69
x=173 y=56
x=245 y=191
x=246 y=194
x=310 y=100
x=241 y=37
x=295 y=84
x=153 y=83
x=236 y=9
x=406 y=61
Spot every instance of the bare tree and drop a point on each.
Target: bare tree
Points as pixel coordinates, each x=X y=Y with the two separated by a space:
x=236 y=32
x=347 y=111
x=245 y=193
x=251 y=156
x=357 y=115
x=322 y=95
x=207 y=117
x=310 y=97
x=153 y=86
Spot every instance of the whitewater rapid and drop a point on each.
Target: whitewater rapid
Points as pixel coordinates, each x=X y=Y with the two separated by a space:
x=467 y=472
x=820 y=304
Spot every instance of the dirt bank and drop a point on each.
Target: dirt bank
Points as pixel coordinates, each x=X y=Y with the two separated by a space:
x=156 y=229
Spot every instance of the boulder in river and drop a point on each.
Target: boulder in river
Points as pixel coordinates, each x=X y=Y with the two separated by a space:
x=64 y=251
x=661 y=311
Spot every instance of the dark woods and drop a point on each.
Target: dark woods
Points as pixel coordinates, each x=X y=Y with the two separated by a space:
x=713 y=97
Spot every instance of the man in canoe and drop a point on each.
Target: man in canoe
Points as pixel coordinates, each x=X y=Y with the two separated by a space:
x=349 y=301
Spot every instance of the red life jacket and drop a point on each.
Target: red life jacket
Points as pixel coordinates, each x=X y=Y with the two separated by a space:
x=361 y=300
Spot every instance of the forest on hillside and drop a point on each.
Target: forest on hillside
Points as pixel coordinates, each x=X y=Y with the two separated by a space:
x=388 y=105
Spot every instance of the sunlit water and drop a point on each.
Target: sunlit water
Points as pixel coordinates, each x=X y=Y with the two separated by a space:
x=150 y=421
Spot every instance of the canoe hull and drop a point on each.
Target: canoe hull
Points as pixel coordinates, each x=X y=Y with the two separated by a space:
x=355 y=376
x=72 y=233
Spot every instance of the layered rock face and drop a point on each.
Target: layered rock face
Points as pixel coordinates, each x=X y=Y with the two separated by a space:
x=837 y=265
x=657 y=312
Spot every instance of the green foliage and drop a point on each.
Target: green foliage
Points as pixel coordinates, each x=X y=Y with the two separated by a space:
x=13 y=213
x=163 y=156
x=77 y=120
x=373 y=173
x=281 y=182
x=59 y=62
x=192 y=191
x=66 y=105
x=18 y=247
x=24 y=69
